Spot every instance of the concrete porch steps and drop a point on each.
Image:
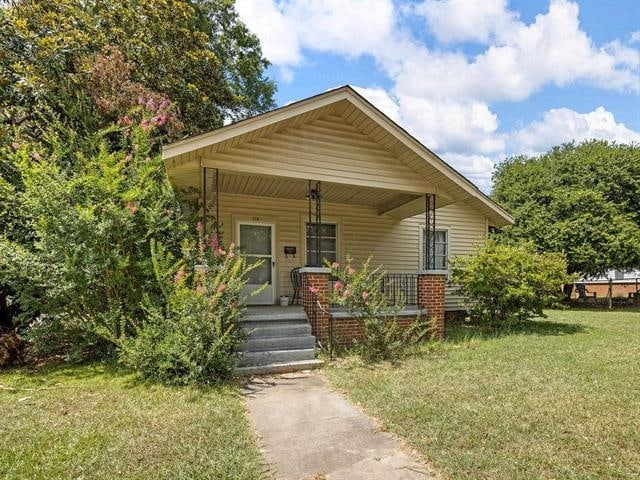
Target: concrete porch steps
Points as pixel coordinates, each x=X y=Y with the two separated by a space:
x=278 y=340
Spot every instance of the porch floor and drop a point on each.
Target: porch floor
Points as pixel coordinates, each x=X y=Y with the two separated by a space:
x=292 y=312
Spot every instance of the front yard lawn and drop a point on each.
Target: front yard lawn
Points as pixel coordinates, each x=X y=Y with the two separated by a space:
x=559 y=399
x=95 y=422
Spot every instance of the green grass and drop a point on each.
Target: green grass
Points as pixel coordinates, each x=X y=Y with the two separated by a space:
x=558 y=399
x=96 y=422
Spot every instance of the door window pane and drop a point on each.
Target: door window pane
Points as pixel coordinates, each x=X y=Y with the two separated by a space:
x=260 y=274
x=255 y=239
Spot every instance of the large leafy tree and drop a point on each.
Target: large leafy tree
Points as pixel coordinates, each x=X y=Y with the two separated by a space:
x=583 y=200
x=196 y=53
x=71 y=68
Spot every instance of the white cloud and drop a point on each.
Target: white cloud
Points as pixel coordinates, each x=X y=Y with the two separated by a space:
x=563 y=125
x=521 y=60
x=442 y=95
x=280 y=43
x=457 y=21
x=286 y=28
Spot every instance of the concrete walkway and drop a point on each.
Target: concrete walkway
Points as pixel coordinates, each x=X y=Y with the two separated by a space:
x=309 y=431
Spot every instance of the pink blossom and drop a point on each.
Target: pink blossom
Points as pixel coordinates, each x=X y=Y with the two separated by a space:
x=15 y=145
x=232 y=247
x=351 y=271
x=164 y=104
x=145 y=125
x=346 y=293
x=365 y=295
x=213 y=242
x=338 y=285
x=313 y=290
x=200 y=288
x=199 y=227
x=151 y=105
x=335 y=265
x=141 y=101
x=126 y=120
x=231 y=255
x=179 y=276
x=131 y=207
x=221 y=288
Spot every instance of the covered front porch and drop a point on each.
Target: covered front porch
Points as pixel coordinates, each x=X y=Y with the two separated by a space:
x=284 y=225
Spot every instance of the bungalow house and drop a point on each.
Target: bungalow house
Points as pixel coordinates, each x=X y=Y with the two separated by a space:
x=320 y=179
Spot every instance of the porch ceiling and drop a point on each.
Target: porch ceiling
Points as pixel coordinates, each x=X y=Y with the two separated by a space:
x=384 y=201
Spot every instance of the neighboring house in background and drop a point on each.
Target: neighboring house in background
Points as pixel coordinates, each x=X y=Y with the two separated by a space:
x=622 y=284
x=327 y=177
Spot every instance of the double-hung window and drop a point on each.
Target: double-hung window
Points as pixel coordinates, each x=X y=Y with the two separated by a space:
x=328 y=242
x=442 y=249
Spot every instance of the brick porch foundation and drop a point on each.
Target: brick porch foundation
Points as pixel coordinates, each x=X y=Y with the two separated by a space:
x=316 y=305
x=431 y=285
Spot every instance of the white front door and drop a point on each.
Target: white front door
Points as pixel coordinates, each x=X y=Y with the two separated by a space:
x=256 y=242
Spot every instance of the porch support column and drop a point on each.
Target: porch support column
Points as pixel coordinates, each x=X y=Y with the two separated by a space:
x=431 y=285
x=431 y=281
x=315 y=300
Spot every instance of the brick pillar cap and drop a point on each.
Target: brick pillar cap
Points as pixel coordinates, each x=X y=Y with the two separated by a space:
x=433 y=272
x=315 y=270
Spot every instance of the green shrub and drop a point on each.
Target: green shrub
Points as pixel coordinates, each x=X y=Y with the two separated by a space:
x=193 y=338
x=504 y=285
x=84 y=275
x=359 y=291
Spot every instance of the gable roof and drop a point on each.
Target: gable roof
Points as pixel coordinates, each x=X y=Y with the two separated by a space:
x=345 y=102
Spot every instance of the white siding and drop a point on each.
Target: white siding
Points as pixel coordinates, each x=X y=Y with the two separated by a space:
x=361 y=232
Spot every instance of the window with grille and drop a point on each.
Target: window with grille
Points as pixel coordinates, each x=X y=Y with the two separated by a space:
x=442 y=249
x=328 y=242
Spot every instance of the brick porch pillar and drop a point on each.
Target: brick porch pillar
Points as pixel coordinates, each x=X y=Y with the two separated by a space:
x=431 y=285
x=317 y=277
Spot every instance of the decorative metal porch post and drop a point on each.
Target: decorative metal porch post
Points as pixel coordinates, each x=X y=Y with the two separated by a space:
x=314 y=195
x=205 y=204
x=430 y=231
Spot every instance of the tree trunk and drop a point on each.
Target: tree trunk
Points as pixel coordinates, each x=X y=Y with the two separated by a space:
x=6 y=319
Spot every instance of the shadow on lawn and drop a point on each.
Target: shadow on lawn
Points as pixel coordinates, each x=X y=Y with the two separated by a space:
x=463 y=331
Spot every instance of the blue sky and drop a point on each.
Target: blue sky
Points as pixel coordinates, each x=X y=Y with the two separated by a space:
x=475 y=80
